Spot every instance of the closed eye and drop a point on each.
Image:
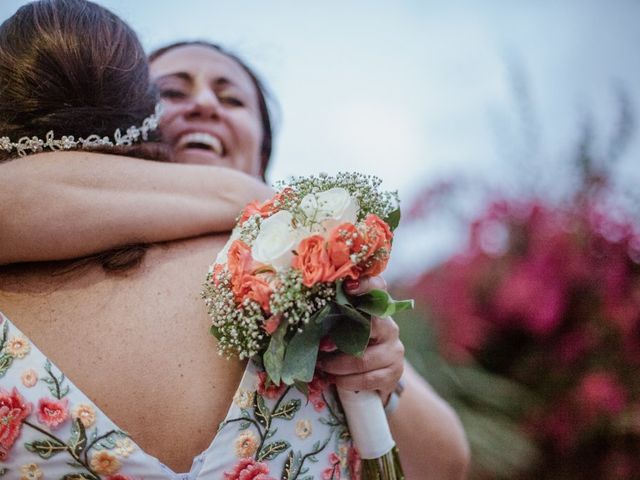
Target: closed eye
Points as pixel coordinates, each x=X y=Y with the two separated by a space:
x=172 y=94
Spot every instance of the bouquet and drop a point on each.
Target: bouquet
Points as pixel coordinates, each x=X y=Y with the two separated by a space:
x=275 y=290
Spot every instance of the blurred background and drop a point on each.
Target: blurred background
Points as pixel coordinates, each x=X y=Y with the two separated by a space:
x=509 y=129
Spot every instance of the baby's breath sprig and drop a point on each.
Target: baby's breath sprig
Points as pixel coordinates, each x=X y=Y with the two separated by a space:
x=238 y=328
x=365 y=188
x=297 y=302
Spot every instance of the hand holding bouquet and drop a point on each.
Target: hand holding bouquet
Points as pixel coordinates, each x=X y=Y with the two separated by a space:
x=275 y=291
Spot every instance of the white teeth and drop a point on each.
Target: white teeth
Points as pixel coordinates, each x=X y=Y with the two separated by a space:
x=203 y=138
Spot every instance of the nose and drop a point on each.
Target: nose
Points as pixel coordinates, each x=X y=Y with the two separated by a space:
x=205 y=104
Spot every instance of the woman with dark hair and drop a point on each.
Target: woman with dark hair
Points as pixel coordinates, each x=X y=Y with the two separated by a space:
x=215 y=113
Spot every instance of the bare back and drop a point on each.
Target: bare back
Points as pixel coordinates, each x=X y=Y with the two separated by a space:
x=137 y=344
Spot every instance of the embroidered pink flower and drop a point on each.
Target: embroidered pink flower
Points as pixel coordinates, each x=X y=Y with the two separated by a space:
x=249 y=469
x=13 y=410
x=29 y=377
x=316 y=388
x=355 y=463
x=104 y=463
x=333 y=472
x=272 y=391
x=52 y=412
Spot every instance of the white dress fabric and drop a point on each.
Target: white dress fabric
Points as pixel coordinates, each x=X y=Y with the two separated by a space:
x=50 y=430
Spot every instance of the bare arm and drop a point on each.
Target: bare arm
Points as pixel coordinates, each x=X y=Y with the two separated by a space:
x=430 y=438
x=64 y=205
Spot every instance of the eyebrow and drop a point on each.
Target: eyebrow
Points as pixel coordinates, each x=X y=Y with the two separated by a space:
x=221 y=82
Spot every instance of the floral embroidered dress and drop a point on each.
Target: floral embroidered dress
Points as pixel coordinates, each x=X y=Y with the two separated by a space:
x=50 y=430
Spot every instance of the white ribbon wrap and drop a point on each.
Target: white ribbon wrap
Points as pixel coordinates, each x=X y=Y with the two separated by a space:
x=367 y=423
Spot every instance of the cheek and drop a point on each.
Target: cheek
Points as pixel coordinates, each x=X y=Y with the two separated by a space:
x=170 y=112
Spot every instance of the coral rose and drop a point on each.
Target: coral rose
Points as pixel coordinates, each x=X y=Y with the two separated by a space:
x=52 y=412
x=13 y=410
x=313 y=261
x=249 y=469
x=378 y=241
x=344 y=241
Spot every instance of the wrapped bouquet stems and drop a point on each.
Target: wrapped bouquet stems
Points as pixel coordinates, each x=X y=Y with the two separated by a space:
x=371 y=435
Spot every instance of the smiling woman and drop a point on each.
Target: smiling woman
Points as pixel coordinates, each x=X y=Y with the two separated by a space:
x=215 y=107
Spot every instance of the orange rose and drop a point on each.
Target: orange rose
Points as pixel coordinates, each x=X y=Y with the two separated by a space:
x=255 y=288
x=265 y=209
x=313 y=261
x=378 y=240
x=239 y=260
x=344 y=240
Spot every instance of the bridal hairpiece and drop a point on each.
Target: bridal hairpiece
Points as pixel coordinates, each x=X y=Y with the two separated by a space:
x=26 y=145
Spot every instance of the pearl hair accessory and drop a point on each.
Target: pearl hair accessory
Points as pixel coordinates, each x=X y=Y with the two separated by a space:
x=27 y=145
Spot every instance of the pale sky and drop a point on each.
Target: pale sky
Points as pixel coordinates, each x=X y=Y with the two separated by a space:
x=414 y=91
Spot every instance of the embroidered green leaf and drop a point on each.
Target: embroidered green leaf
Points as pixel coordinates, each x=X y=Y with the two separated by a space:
x=244 y=425
x=351 y=334
x=261 y=411
x=55 y=384
x=307 y=478
x=108 y=440
x=271 y=432
x=288 y=410
x=46 y=448
x=272 y=450
x=274 y=356
x=3 y=471
x=79 y=476
x=302 y=351
x=5 y=333
x=287 y=470
x=5 y=362
x=303 y=388
x=78 y=441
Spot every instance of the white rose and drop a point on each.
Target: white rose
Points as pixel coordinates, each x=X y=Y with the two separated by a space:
x=222 y=254
x=327 y=209
x=276 y=240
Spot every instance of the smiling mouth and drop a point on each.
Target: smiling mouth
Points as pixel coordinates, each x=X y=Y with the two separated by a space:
x=201 y=141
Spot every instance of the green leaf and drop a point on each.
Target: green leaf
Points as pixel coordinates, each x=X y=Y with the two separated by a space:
x=302 y=387
x=46 y=448
x=5 y=362
x=351 y=333
x=108 y=441
x=3 y=471
x=5 y=333
x=272 y=450
x=379 y=303
x=274 y=356
x=287 y=470
x=393 y=219
x=79 y=476
x=261 y=411
x=341 y=296
x=288 y=410
x=302 y=351
x=78 y=440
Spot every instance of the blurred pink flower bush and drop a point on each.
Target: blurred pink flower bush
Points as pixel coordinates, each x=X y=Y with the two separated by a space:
x=549 y=297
